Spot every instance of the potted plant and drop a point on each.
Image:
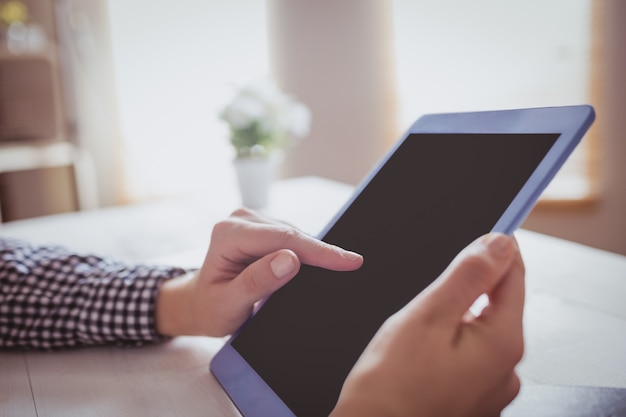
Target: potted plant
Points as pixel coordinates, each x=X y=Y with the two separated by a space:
x=263 y=121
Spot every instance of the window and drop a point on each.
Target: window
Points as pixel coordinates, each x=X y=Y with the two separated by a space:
x=489 y=54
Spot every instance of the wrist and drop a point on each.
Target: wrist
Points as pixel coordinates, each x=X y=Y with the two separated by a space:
x=174 y=309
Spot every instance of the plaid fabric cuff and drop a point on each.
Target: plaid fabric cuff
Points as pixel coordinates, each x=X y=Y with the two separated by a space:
x=52 y=298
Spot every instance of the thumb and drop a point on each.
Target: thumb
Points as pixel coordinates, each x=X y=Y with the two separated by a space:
x=263 y=277
x=477 y=270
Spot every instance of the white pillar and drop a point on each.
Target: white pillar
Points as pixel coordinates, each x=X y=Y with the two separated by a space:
x=337 y=57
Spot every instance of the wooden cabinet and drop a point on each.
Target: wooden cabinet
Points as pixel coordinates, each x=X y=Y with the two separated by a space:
x=31 y=107
x=41 y=164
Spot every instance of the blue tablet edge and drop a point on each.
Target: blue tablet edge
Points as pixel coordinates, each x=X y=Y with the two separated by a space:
x=547 y=169
x=247 y=390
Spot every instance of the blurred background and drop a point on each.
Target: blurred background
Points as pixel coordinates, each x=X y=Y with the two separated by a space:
x=110 y=102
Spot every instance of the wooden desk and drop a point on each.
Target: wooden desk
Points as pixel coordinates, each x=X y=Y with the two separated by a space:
x=575 y=319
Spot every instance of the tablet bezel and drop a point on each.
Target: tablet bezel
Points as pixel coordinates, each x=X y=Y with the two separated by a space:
x=247 y=389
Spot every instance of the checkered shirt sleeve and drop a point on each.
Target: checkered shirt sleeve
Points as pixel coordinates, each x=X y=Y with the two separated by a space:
x=53 y=298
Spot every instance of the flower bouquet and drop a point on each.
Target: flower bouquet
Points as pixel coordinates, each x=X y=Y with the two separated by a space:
x=263 y=119
x=263 y=122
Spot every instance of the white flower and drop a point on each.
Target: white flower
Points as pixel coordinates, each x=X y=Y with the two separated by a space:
x=243 y=111
x=297 y=120
x=262 y=115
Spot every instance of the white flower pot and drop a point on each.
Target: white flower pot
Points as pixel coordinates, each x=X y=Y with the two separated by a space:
x=255 y=176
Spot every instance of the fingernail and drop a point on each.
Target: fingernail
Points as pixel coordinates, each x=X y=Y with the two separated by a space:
x=499 y=245
x=351 y=256
x=283 y=266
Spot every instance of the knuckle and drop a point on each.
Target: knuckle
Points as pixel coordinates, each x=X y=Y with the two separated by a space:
x=287 y=235
x=224 y=226
x=250 y=283
x=477 y=270
x=242 y=212
x=391 y=322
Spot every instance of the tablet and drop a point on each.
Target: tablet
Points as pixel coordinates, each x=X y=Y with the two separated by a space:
x=449 y=180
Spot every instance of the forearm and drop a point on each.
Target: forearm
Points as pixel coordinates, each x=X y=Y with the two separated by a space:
x=51 y=298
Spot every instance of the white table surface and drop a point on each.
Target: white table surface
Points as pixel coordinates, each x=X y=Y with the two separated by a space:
x=575 y=317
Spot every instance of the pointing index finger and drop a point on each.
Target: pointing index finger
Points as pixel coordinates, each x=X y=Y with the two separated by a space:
x=252 y=240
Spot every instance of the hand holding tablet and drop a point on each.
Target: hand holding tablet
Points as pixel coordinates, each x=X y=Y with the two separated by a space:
x=450 y=180
x=431 y=358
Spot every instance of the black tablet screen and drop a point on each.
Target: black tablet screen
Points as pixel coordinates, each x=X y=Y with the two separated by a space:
x=435 y=194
